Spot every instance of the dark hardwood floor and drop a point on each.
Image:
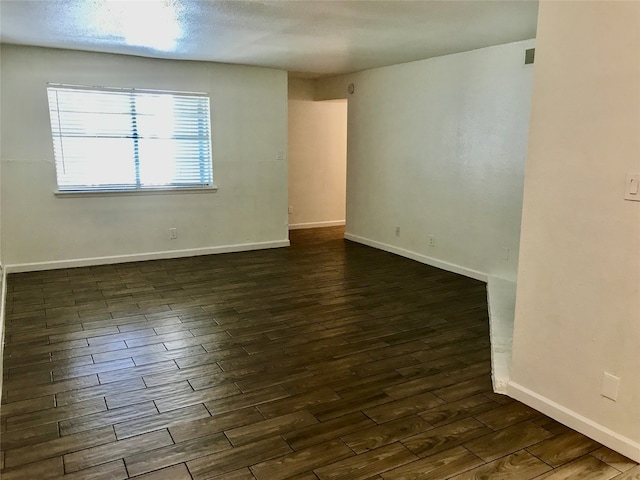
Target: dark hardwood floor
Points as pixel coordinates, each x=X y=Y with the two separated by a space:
x=326 y=360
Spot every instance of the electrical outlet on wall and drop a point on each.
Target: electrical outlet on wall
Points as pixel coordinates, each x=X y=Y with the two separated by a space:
x=397 y=231
x=173 y=233
x=290 y=209
x=432 y=241
x=610 y=384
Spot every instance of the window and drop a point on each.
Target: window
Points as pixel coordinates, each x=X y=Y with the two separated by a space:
x=111 y=139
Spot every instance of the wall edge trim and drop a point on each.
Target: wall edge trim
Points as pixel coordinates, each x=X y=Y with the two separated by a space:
x=501 y=318
x=434 y=262
x=3 y=302
x=139 y=257
x=574 y=420
x=330 y=223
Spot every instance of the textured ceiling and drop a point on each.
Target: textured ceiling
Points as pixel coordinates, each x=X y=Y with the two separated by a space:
x=314 y=37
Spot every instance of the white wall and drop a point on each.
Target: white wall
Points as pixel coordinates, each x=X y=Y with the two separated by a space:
x=437 y=147
x=578 y=295
x=317 y=157
x=249 y=128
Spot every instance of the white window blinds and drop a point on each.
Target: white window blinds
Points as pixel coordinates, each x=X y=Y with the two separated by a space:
x=118 y=139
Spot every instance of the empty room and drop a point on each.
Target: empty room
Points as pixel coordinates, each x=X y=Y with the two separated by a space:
x=320 y=240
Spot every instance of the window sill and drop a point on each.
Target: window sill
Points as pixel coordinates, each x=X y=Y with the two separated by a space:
x=126 y=193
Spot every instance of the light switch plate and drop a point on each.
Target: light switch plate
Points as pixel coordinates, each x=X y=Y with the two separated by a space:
x=632 y=187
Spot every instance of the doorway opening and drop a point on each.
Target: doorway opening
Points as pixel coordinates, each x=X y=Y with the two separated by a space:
x=317 y=158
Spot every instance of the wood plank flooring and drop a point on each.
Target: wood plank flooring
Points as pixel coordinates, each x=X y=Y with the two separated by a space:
x=323 y=361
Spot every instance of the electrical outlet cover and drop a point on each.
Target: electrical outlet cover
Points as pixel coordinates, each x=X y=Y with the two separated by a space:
x=610 y=385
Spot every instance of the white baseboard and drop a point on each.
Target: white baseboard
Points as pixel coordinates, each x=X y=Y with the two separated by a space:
x=300 y=226
x=450 y=267
x=591 y=429
x=138 y=257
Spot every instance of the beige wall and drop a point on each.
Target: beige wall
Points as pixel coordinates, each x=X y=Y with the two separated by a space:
x=578 y=294
x=437 y=147
x=249 y=140
x=333 y=88
x=317 y=157
x=2 y=275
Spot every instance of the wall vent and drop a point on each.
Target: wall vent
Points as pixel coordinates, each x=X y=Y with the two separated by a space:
x=529 y=55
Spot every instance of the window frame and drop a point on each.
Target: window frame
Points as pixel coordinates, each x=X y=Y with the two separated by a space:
x=138 y=188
